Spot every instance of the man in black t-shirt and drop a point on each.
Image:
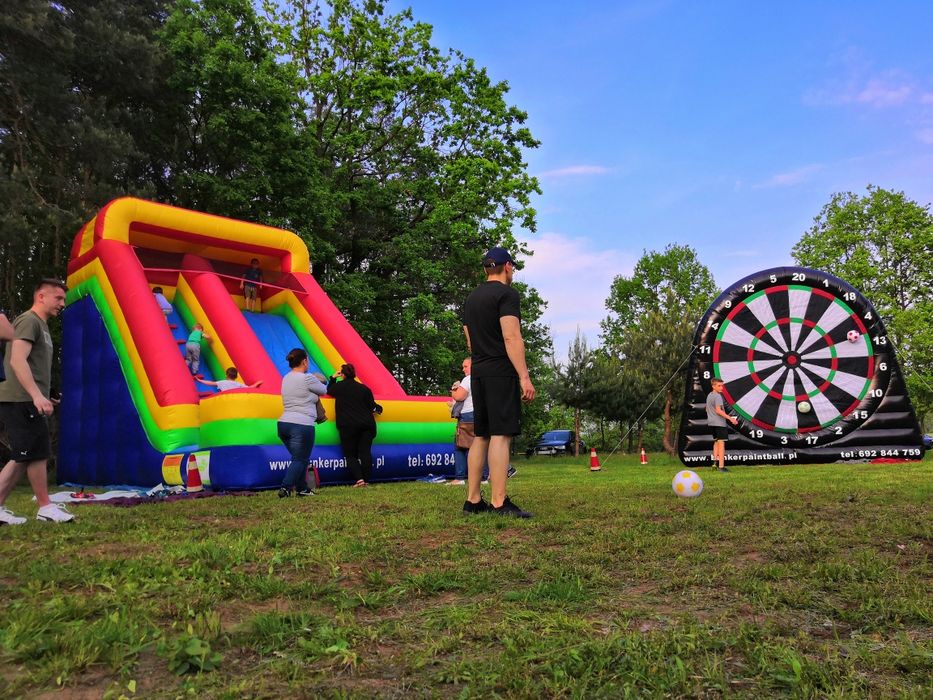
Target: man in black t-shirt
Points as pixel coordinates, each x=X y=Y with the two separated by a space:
x=500 y=381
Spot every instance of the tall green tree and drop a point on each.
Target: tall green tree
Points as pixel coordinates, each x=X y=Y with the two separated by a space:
x=653 y=316
x=570 y=387
x=422 y=169
x=666 y=280
x=654 y=356
x=233 y=142
x=881 y=243
x=79 y=83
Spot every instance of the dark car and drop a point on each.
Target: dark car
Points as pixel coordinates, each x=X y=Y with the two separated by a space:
x=554 y=442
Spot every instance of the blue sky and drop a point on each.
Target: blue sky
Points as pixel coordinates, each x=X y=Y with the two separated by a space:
x=722 y=125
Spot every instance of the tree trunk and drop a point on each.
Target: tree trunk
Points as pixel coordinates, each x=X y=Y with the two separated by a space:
x=668 y=445
x=576 y=432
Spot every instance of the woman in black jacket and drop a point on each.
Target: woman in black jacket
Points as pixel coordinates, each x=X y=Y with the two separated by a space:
x=354 y=406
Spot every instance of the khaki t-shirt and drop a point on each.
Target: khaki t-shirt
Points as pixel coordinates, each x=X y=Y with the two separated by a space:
x=31 y=328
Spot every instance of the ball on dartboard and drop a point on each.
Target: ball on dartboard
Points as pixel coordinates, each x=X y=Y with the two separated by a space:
x=687 y=484
x=853 y=336
x=804 y=407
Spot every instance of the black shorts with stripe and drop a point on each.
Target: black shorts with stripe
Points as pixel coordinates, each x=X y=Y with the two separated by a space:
x=28 y=431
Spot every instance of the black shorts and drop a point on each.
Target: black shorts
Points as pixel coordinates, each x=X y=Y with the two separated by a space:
x=497 y=406
x=28 y=431
x=720 y=433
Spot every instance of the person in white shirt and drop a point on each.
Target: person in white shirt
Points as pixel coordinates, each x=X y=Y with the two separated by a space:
x=230 y=382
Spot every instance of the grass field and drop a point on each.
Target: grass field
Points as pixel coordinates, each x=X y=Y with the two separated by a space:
x=778 y=581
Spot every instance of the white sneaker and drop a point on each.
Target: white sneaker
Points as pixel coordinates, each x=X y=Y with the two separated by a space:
x=8 y=518
x=54 y=513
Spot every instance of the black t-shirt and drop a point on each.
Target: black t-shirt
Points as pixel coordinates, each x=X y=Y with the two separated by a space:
x=484 y=307
x=353 y=403
x=253 y=275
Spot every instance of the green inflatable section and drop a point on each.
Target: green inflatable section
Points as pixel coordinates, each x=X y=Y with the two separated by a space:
x=263 y=431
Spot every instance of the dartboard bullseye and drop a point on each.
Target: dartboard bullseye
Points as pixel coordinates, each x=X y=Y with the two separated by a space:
x=806 y=365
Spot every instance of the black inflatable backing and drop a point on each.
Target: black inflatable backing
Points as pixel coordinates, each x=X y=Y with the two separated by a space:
x=789 y=336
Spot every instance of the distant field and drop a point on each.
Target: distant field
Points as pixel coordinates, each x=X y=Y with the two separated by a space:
x=790 y=581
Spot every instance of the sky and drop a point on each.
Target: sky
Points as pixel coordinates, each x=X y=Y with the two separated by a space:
x=723 y=125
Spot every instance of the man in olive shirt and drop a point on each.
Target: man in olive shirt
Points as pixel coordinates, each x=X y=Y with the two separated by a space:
x=26 y=403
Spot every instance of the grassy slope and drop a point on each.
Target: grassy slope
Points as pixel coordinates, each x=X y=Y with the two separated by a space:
x=801 y=581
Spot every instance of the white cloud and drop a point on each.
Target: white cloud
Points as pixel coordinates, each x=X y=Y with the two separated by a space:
x=791 y=177
x=576 y=170
x=925 y=136
x=881 y=93
x=889 y=90
x=573 y=276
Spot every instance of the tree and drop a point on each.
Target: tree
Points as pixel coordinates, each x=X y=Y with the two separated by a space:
x=673 y=278
x=569 y=388
x=653 y=316
x=881 y=244
x=78 y=84
x=422 y=170
x=234 y=145
x=655 y=355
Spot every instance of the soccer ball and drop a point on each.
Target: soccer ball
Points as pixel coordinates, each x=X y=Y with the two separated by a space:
x=687 y=484
x=853 y=336
x=803 y=406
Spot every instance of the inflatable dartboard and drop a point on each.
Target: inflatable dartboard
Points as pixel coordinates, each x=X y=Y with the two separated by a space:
x=808 y=370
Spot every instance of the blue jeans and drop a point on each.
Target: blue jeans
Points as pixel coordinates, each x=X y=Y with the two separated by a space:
x=460 y=455
x=299 y=439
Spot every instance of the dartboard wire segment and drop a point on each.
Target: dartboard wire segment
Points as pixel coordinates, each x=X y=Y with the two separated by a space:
x=786 y=373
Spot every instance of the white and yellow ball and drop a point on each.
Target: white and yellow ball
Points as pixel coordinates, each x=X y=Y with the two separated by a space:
x=687 y=484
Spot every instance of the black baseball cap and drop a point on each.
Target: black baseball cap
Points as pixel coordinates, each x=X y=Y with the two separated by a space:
x=497 y=256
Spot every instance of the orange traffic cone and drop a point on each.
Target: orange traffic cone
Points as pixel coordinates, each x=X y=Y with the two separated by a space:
x=194 y=475
x=644 y=456
x=594 y=461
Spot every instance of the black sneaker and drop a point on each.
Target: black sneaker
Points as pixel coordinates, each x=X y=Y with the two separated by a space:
x=474 y=508
x=284 y=492
x=510 y=509
x=511 y=472
x=305 y=492
x=722 y=469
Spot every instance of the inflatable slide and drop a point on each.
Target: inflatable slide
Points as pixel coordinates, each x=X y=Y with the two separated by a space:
x=131 y=411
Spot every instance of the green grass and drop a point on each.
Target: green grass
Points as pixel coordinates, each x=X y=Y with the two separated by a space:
x=778 y=581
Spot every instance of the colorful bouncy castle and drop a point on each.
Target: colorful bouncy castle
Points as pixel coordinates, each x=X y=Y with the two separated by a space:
x=132 y=413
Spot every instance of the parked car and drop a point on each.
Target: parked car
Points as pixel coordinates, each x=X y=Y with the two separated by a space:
x=928 y=442
x=554 y=442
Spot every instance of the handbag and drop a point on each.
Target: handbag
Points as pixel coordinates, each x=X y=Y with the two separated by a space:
x=464 y=437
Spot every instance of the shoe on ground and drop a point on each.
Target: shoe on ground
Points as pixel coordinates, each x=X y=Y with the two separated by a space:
x=512 y=472
x=8 y=517
x=359 y=484
x=470 y=508
x=305 y=492
x=722 y=469
x=284 y=492
x=54 y=513
x=510 y=509
x=456 y=482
